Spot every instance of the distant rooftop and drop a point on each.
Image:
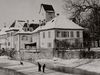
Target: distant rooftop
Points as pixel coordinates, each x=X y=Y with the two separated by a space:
x=16 y=25
x=48 y=8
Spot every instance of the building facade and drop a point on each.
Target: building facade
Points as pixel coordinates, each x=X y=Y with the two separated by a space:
x=3 y=38
x=21 y=40
x=60 y=29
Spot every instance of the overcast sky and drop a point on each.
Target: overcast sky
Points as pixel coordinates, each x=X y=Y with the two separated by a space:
x=11 y=10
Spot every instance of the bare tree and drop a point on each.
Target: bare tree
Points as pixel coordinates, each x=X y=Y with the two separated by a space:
x=86 y=13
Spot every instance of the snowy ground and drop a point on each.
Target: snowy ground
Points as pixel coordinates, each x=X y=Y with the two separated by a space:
x=92 y=65
x=27 y=68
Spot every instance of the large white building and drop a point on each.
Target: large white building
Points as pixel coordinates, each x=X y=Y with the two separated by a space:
x=50 y=33
x=56 y=28
x=59 y=28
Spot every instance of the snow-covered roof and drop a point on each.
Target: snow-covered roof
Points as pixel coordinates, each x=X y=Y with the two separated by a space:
x=16 y=26
x=23 y=32
x=3 y=31
x=37 y=29
x=61 y=22
x=13 y=28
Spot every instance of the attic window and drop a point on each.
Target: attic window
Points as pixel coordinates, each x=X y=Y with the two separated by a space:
x=52 y=20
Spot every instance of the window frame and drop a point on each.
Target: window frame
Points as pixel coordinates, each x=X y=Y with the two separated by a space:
x=49 y=34
x=63 y=34
x=78 y=33
x=72 y=34
x=67 y=34
x=43 y=34
x=49 y=44
x=58 y=33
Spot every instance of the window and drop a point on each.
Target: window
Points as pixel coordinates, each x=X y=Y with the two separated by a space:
x=24 y=37
x=30 y=29
x=71 y=34
x=8 y=43
x=49 y=44
x=52 y=20
x=78 y=34
x=63 y=34
x=49 y=34
x=31 y=39
x=8 y=34
x=43 y=34
x=58 y=33
x=67 y=34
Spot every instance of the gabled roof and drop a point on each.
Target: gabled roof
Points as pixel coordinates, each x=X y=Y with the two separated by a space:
x=13 y=24
x=37 y=29
x=25 y=25
x=61 y=22
x=48 y=8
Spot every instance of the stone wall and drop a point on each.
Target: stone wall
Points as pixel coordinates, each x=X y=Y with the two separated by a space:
x=46 y=53
x=67 y=54
x=50 y=53
x=43 y=53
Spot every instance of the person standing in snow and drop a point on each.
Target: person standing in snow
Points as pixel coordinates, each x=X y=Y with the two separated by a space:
x=39 y=67
x=44 y=67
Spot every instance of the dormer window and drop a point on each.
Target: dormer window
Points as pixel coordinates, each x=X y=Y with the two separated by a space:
x=52 y=20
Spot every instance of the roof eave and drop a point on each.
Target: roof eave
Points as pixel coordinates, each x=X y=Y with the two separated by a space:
x=61 y=29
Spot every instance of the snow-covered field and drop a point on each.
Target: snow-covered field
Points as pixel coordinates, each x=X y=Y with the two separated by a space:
x=92 y=65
